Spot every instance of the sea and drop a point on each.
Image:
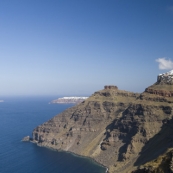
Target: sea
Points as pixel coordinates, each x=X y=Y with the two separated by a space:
x=18 y=117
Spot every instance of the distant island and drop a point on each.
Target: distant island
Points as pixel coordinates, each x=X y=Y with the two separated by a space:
x=74 y=100
x=1 y=100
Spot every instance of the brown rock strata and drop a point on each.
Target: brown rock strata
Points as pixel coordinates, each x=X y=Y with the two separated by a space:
x=119 y=129
x=159 y=92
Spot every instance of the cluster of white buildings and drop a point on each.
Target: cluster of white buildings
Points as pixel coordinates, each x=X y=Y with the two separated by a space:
x=74 y=98
x=170 y=73
x=166 y=77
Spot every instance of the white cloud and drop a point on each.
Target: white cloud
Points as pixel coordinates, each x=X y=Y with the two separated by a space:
x=165 y=64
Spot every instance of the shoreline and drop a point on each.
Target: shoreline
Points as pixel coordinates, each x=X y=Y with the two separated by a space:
x=78 y=155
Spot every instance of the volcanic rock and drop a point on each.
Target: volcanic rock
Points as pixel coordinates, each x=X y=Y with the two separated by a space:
x=26 y=139
x=119 y=129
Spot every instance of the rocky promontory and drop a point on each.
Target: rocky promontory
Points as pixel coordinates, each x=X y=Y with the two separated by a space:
x=165 y=78
x=74 y=100
x=119 y=129
x=163 y=86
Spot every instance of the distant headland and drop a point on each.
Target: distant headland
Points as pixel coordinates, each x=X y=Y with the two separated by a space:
x=74 y=100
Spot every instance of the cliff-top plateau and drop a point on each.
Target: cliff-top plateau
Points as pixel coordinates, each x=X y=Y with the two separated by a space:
x=124 y=131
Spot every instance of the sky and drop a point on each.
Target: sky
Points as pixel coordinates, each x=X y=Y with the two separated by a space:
x=75 y=47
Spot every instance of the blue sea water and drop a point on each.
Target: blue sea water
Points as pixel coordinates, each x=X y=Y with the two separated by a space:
x=18 y=117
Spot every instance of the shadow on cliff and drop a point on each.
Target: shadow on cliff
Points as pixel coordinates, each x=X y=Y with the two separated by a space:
x=158 y=144
x=127 y=127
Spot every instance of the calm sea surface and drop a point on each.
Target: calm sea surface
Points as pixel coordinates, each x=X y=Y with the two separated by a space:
x=18 y=117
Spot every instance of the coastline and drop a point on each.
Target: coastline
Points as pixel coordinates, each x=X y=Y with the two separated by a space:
x=71 y=100
x=77 y=155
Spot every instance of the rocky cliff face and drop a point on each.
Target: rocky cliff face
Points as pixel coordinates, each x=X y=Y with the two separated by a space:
x=162 y=164
x=119 y=129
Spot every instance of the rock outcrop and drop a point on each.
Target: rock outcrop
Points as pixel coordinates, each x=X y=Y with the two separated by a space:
x=119 y=129
x=159 y=92
x=163 y=86
x=26 y=139
x=165 y=78
x=110 y=87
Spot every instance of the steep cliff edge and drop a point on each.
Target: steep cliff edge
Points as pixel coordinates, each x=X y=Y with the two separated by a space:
x=116 y=128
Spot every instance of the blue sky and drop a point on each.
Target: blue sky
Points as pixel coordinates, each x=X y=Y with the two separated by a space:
x=75 y=47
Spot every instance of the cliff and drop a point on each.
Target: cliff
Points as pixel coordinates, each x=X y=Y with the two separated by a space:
x=119 y=129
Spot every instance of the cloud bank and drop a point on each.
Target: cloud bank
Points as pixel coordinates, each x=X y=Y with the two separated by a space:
x=165 y=64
